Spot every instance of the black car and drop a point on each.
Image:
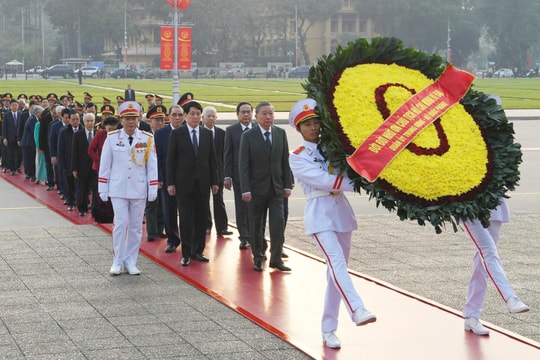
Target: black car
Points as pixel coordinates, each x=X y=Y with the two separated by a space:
x=65 y=71
x=300 y=72
x=126 y=73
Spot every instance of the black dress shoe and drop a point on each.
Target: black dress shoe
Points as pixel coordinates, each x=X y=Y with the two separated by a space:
x=151 y=237
x=284 y=255
x=32 y=179
x=243 y=245
x=27 y=177
x=185 y=261
x=170 y=248
x=280 y=266
x=13 y=173
x=257 y=266
x=70 y=208
x=4 y=170
x=225 y=233
x=19 y=171
x=163 y=235
x=82 y=213
x=200 y=257
x=50 y=187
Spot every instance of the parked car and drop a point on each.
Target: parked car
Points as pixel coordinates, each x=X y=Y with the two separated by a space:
x=153 y=74
x=271 y=74
x=65 y=71
x=90 y=71
x=300 y=72
x=503 y=73
x=126 y=73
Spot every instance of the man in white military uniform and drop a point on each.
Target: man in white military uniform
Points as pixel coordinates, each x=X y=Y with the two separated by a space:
x=328 y=218
x=128 y=175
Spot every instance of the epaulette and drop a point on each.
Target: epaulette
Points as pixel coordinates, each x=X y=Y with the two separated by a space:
x=299 y=150
x=113 y=132
x=147 y=133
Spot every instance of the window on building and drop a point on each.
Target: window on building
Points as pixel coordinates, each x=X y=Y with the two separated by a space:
x=347 y=26
x=347 y=3
x=334 y=26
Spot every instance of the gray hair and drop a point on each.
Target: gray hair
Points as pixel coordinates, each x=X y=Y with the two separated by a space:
x=89 y=115
x=37 y=109
x=207 y=109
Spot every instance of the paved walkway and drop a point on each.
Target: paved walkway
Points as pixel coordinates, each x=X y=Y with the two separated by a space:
x=59 y=302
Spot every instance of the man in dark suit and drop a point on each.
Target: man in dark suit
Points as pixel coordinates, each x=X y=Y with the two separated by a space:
x=65 y=148
x=209 y=117
x=28 y=143
x=191 y=172
x=48 y=115
x=10 y=134
x=231 y=154
x=54 y=133
x=168 y=202
x=129 y=94
x=265 y=179
x=81 y=163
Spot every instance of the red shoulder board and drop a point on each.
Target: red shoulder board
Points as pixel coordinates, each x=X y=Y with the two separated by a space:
x=299 y=150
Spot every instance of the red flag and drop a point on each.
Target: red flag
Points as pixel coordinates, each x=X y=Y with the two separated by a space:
x=171 y=2
x=183 y=4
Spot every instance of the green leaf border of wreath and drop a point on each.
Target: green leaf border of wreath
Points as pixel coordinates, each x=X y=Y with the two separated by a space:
x=506 y=154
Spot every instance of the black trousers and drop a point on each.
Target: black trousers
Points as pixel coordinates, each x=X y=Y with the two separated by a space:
x=220 y=212
x=170 y=218
x=241 y=213
x=193 y=207
x=29 y=161
x=86 y=184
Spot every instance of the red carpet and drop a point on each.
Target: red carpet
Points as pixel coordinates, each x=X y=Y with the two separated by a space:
x=289 y=304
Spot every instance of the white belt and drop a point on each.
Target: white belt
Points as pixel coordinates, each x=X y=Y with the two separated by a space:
x=320 y=193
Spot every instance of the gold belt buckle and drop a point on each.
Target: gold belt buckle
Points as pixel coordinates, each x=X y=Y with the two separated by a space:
x=334 y=193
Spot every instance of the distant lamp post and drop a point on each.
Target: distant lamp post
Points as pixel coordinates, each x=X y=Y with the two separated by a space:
x=125 y=39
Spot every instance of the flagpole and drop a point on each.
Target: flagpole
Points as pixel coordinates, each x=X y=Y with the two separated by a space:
x=176 y=82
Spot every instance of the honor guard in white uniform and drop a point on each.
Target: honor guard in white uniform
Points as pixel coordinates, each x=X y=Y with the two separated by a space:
x=328 y=219
x=487 y=264
x=128 y=175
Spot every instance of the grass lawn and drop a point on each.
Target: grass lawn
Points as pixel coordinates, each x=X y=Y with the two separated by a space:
x=224 y=94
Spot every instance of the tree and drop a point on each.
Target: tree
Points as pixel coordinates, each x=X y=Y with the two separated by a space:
x=309 y=12
x=513 y=27
x=418 y=23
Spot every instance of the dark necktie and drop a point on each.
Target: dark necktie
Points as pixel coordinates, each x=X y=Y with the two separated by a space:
x=268 y=142
x=15 y=118
x=195 y=144
x=89 y=137
x=130 y=140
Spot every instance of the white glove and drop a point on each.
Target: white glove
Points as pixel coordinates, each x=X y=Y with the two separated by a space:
x=104 y=197
x=152 y=196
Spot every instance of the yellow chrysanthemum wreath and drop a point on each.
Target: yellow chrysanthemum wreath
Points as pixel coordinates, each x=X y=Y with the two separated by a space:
x=456 y=169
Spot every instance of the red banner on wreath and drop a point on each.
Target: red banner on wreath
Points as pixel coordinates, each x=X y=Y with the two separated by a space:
x=396 y=132
x=167 y=48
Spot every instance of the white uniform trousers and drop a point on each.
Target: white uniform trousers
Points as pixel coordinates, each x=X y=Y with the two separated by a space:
x=335 y=248
x=127 y=231
x=486 y=263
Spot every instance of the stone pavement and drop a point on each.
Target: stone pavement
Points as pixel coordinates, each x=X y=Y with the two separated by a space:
x=59 y=302
x=438 y=267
